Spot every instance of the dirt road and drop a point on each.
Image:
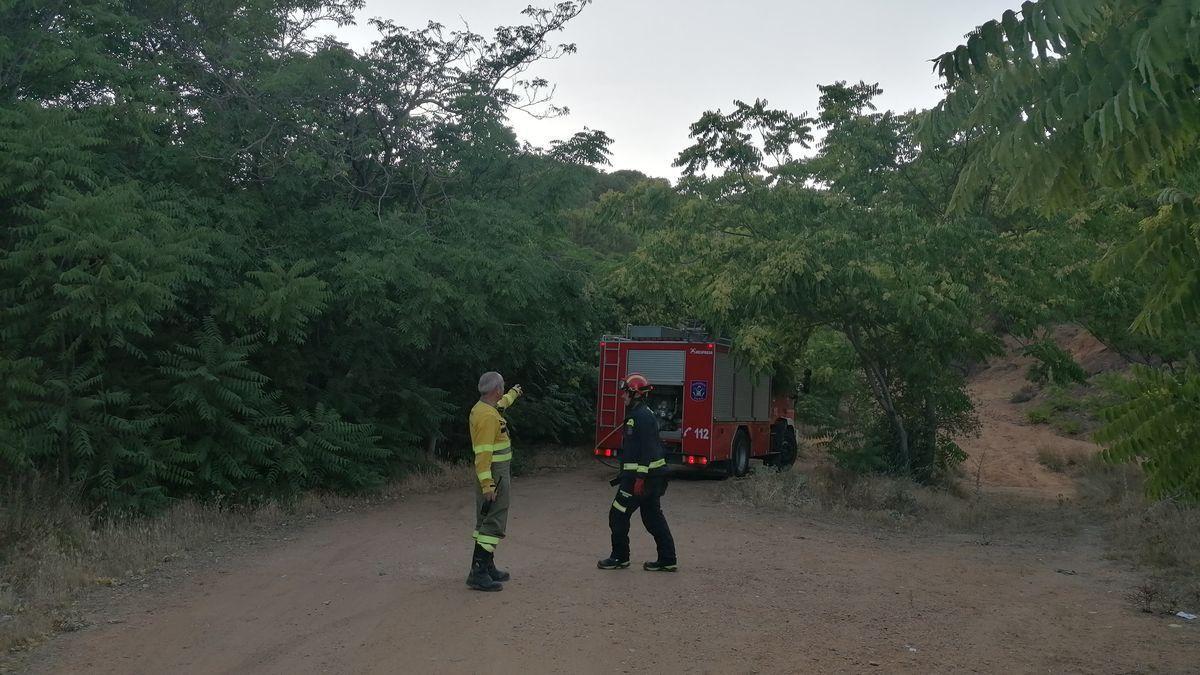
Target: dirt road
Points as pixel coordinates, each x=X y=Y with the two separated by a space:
x=382 y=592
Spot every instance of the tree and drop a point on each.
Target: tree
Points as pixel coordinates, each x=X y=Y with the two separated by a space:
x=1073 y=98
x=239 y=258
x=847 y=241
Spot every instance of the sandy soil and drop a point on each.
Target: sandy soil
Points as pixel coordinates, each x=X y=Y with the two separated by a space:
x=1005 y=453
x=1004 y=456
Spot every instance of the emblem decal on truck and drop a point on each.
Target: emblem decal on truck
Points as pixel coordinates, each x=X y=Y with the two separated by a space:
x=699 y=390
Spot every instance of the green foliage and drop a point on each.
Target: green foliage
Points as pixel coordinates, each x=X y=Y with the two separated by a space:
x=320 y=449
x=218 y=401
x=859 y=454
x=846 y=245
x=1062 y=409
x=1064 y=97
x=833 y=377
x=1040 y=415
x=1068 y=426
x=1069 y=93
x=1158 y=424
x=1169 y=244
x=282 y=301
x=241 y=260
x=727 y=141
x=19 y=380
x=1064 y=101
x=1052 y=364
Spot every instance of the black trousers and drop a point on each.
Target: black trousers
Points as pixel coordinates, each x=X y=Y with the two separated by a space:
x=650 y=504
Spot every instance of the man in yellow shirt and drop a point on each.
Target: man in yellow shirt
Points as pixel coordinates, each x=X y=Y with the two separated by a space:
x=493 y=455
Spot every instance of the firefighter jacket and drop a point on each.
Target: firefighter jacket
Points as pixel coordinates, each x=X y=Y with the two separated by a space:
x=489 y=438
x=642 y=454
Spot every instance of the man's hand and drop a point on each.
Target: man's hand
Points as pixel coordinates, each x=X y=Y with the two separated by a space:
x=639 y=486
x=510 y=398
x=490 y=496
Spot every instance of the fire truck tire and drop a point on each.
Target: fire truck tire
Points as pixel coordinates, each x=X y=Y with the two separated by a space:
x=739 y=457
x=788 y=450
x=784 y=446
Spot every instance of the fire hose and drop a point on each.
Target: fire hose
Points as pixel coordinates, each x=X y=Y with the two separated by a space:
x=603 y=460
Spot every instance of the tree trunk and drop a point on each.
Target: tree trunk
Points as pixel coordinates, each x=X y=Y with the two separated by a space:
x=64 y=466
x=928 y=464
x=883 y=396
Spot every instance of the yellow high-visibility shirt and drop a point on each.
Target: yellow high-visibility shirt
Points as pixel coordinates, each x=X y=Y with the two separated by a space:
x=489 y=438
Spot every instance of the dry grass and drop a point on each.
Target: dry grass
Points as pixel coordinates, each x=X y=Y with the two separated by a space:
x=51 y=551
x=898 y=503
x=1059 y=461
x=1024 y=394
x=1161 y=538
x=549 y=459
x=437 y=477
x=50 y=560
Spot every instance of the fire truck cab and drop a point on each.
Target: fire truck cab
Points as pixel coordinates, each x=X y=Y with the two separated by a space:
x=712 y=412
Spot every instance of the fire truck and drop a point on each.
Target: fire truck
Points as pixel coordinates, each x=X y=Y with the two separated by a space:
x=713 y=412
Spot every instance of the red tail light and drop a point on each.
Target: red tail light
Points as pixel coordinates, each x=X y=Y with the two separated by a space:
x=704 y=460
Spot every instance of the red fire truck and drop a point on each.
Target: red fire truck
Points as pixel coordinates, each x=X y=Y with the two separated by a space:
x=713 y=413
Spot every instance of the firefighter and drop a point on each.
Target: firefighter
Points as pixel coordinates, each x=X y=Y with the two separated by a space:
x=641 y=483
x=493 y=454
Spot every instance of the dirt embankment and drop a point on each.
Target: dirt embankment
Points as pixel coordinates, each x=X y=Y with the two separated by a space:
x=1004 y=457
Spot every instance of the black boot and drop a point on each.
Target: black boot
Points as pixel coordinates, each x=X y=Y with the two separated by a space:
x=496 y=574
x=479 y=579
x=612 y=563
x=657 y=566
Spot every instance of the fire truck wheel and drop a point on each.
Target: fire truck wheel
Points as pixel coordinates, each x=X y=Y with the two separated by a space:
x=788 y=448
x=739 y=459
x=783 y=446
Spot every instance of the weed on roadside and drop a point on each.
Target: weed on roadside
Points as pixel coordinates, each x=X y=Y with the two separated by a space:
x=898 y=503
x=52 y=550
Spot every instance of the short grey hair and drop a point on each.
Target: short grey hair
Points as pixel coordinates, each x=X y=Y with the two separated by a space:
x=489 y=382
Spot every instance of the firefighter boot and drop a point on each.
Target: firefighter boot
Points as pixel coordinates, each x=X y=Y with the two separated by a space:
x=479 y=579
x=657 y=566
x=496 y=574
x=612 y=564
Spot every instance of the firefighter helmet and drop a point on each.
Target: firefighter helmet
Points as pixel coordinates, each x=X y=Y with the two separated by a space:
x=636 y=384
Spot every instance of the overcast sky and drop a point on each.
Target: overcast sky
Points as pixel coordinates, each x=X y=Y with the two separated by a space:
x=647 y=69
